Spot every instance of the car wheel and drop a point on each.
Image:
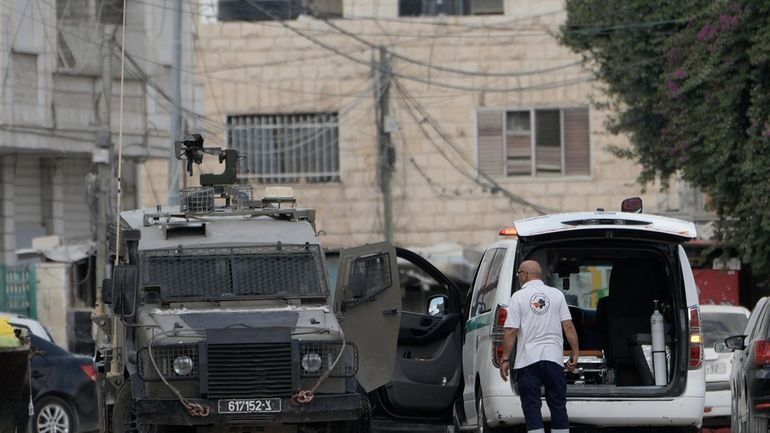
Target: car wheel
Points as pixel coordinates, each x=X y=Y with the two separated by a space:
x=53 y=415
x=481 y=417
x=755 y=424
x=124 y=419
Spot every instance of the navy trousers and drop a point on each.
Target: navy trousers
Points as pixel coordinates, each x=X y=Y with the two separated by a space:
x=551 y=376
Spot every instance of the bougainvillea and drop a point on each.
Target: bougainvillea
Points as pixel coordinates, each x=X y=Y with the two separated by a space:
x=689 y=83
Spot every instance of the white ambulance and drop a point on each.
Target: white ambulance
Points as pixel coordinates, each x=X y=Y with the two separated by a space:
x=616 y=269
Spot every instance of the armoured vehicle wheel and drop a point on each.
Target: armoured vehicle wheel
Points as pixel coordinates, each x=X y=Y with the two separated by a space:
x=124 y=418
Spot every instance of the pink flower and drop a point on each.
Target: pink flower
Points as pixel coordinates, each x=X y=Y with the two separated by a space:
x=707 y=32
x=728 y=22
x=673 y=88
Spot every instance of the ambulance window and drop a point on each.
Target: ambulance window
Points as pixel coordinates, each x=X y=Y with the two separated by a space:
x=487 y=281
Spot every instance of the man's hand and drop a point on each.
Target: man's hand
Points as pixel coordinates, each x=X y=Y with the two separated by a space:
x=504 y=368
x=509 y=339
x=572 y=361
x=571 y=333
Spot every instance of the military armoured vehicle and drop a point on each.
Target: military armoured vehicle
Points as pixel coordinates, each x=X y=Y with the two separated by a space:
x=220 y=315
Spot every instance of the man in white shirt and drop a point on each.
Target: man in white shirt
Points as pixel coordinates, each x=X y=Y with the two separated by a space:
x=537 y=314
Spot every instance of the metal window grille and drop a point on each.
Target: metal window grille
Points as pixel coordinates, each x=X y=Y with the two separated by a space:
x=227 y=273
x=287 y=148
x=18 y=290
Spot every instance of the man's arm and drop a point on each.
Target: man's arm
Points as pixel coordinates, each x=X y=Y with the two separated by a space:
x=572 y=338
x=509 y=339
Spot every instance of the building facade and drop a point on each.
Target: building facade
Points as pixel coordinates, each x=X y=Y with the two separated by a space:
x=52 y=105
x=485 y=118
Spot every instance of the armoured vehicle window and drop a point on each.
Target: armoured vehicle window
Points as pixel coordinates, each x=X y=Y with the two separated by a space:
x=221 y=273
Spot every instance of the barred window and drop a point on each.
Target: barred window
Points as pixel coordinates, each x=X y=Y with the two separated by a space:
x=287 y=148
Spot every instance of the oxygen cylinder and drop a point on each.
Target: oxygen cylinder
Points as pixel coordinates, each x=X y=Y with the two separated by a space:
x=658 y=346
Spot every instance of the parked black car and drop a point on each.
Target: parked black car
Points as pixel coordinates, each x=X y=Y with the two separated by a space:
x=63 y=389
x=750 y=377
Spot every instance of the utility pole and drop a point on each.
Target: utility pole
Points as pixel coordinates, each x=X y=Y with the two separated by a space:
x=387 y=153
x=176 y=114
x=102 y=158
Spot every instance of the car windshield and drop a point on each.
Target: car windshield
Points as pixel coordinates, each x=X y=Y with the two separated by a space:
x=718 y=326
x=232 y=273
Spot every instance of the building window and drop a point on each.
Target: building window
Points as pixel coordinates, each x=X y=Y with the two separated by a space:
x=287 y=148
x=423 y=8
x=534 y=142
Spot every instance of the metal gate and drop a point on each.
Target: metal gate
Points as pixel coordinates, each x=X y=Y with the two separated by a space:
x=17 y=290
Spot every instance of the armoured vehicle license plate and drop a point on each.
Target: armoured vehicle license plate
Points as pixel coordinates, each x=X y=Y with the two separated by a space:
x=259 y=405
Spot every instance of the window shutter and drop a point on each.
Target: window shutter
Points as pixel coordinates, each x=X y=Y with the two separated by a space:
x=490 y=142
x=577 y=144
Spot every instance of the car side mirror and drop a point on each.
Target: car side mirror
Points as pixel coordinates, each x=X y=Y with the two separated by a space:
x=734 y=343
x=107 y=291
x=721 y=347
x=124 y=285
x=632 y=205
x=437 y=306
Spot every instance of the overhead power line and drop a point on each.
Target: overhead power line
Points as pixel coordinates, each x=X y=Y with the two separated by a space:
x=453 y=70
x=422 y=117
x=339 y=52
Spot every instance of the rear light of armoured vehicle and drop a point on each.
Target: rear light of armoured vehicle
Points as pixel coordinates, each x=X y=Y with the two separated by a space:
x=696 y=340
x=762 y=352
x=498 y=331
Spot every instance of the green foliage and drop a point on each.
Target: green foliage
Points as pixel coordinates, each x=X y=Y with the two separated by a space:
x=689 y=82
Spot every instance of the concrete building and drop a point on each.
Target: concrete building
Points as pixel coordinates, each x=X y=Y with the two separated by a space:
x=51 y=106
x=490 y=118
x=51 y=102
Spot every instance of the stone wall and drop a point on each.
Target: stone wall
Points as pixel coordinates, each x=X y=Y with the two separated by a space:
x=267 y=68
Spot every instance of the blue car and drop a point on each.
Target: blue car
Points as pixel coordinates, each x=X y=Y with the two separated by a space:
x=63 y=389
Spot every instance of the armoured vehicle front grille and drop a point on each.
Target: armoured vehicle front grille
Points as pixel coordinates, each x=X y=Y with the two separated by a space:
x=249 y=370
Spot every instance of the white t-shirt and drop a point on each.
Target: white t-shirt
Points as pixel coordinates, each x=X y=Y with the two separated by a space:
x=537 y=311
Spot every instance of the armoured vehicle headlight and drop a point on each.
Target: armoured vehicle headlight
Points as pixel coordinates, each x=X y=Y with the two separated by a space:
x=312 y=362
x=183 y=365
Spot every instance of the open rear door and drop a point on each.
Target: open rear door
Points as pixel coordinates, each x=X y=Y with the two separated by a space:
x=368 y=299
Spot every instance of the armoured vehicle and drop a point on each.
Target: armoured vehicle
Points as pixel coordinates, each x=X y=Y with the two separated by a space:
x=221 y=315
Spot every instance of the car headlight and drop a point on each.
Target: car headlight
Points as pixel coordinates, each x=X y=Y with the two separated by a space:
x=312 y=362
x=183 y=365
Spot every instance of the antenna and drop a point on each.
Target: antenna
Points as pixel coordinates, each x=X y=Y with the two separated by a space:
x=120 y=136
